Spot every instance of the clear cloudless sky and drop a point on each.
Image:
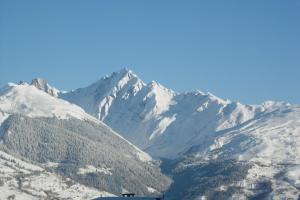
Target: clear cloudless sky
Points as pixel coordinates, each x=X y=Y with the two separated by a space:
x=242 y=50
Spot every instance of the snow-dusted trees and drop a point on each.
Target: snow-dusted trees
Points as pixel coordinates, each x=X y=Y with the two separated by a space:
x=75 y=143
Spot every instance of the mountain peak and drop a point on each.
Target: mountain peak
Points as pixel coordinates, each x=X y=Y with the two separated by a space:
x=157 y=87
x=43 y=85
x=122 y=73
x=125 y=70
x=153 y=84
x=39 y=83
x=117 y=76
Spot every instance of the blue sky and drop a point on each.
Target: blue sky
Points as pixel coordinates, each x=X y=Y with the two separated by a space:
x=241 y=50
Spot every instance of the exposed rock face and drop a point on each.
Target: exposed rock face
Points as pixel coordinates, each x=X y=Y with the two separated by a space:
x=42 y=84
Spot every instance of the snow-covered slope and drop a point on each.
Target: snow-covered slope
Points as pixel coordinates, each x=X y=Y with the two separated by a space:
x=222 y=149
x=257 y=160
x=157 y=119
x=272 y=143
x=28 y=100
x=272 y=137
x=43 y=128
x=22 y=180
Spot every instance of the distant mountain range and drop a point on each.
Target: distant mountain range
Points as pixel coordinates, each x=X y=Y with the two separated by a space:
x=211 y=148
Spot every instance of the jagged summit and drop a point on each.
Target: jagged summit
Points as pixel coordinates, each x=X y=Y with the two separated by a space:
x=122 y=73
x=39 y=82
x=126 y=70
x=156 y=118
x=43 y=85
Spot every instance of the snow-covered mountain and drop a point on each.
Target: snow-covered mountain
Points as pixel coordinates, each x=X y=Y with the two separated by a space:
x=164 y=123
x=218 y=148
x=257 y=160
x=212 y=148
x=44 y=129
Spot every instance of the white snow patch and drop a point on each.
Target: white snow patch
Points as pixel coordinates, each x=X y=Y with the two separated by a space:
x=22 y=164
x=144 y=157
x=23 y=180
x=162 y=126
x=51 y=164
x=160 y=96
x=104 y=107
x=93 y=169
x=294 y=176
x=3 y=117
x=152 y=190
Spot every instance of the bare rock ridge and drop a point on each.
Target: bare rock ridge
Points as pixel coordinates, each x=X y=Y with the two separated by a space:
x=43 y=85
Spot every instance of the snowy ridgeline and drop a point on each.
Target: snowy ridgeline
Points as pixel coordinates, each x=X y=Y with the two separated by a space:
x=260 y=159
x=164 y=123
x=221 y=149
x=170 y=125
x=30 y=101
x=21 y=180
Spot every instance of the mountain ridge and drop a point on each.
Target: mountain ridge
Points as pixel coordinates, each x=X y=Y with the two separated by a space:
x=212 y=148
x=43 y=128
x=151 y=109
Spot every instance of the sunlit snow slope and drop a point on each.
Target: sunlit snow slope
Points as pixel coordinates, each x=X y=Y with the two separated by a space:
x=257 y=160
x=246 y=151
x=42 y=128
x=21 y=180
x=216 y=145
x=156 y=119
